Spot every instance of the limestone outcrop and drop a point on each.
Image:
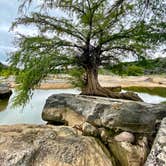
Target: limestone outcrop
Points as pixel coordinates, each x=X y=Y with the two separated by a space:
x=157 y=155
x=46 y=145
x=137 y=117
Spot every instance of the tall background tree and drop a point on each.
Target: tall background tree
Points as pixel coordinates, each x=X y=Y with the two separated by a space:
x=86 y=34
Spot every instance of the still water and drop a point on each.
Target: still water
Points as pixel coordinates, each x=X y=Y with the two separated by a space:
x=31 y=113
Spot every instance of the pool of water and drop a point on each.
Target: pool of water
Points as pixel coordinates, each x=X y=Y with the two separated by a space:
x=31 y=113
x=147 y=98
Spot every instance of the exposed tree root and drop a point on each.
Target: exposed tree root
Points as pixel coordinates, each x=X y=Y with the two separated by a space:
x=105 y=92
x=114 y=89
x=93 y=88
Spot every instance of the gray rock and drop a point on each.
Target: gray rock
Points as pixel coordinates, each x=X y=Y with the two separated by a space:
x=137 y=117
x=62 y=116
x=104 y=135
x=157 y=155
x=125 y=137
x=46 y=145
x=5 y=92
x=127 y=154
x=89 y=130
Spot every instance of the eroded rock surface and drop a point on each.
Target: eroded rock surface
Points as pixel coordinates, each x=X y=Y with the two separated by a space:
x=127 y=154
x=137 y=117
x=46 y=145
x=157 y=156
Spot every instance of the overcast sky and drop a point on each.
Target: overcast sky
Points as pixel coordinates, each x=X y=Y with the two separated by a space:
x=8 y=13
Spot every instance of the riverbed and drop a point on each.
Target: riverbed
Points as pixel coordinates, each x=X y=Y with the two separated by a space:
x=31 y=113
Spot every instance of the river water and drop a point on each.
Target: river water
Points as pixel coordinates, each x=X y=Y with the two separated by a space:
x=31 y=113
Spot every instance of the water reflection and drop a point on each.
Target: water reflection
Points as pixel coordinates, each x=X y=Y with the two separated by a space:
x=3 y=104
x=31 y=113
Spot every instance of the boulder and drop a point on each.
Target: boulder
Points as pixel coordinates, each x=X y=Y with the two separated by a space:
x=127 y=154
x=25 y=145
x=137 y=117
x=157 y=154
x=5 y=92
x=89 y=130
x=104 y=135
x=125 y=137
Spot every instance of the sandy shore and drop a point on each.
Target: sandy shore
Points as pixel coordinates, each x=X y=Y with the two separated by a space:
x=55 y=82
x=128 y=81
x=111 y=81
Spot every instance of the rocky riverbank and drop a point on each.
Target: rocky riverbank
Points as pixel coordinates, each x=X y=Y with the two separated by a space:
x=88 y=131
x=25 y=145
x=62 y=82
x=126 y=128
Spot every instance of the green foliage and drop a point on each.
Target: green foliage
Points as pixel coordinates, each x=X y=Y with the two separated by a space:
x=5 y=71
x=118 y=69
x=104 y=71
x=164 y=102
x=89 y=34
x=128 y=70
x=77 y=77
x=134 y=70
x=159 y=91
x=144 y=66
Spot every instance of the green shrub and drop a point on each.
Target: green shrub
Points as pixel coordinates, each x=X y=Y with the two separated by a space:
x=134 y=70
x=77 y=77
x=104 y=71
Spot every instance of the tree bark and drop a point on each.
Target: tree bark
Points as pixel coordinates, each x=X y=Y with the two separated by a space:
x=93 y=88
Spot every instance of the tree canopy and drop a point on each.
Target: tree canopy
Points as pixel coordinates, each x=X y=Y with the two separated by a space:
x=87 y=34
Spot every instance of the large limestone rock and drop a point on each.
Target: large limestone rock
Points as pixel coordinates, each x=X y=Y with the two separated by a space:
x=157 y=155
x=137 y=117
x=127 y=154
x=46 y=145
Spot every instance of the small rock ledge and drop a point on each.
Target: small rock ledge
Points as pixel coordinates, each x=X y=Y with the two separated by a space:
x=157 y=155
x=137 y=117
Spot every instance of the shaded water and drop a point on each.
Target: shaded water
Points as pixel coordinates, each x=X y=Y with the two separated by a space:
x=3 y=104
x=31 y=113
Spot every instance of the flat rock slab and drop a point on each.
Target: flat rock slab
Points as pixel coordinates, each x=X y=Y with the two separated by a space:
x=138 y=117
x=46 y=145
x=157 y=156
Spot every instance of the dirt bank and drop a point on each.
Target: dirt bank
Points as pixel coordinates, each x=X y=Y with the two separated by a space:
x=61 y=82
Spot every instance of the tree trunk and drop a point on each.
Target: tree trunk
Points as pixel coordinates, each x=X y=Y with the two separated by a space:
x=93 y=88
x=92 y=85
